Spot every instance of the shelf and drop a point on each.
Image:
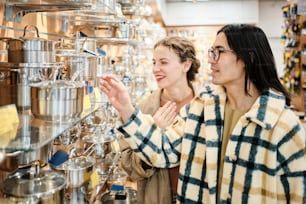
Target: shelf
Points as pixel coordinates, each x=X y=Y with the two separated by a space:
x=34 y=133
x=91 y=19
x=15 y=10
x=115 y=41
x=11 y=65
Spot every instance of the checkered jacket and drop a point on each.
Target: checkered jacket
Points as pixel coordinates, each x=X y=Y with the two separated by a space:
x=265 y=159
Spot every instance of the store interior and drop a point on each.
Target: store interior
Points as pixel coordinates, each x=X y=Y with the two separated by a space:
x=68 y=45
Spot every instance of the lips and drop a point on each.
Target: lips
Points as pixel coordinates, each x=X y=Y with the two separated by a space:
x=159 y=77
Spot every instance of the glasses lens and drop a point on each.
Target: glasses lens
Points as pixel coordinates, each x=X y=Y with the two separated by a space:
x=213 y=54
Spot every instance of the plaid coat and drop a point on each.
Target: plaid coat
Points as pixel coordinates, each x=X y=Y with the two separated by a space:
x=265 y=160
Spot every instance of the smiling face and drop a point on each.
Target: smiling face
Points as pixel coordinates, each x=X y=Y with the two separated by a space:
x=167 y=68
x=227 y=70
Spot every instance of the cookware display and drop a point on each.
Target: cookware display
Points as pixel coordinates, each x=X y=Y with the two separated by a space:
x=77 y=170
x=30 y=49
x=84 y=63
x=29 y=60
x=15 y=159
x=50 y=83
x=16 y=77
x=128 y=196
x=35 y=184
x=59 y=100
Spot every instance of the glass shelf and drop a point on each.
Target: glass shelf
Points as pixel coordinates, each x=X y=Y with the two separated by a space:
x=34 y=133
x=89 y=18
x=15 y=10
x=115 y=41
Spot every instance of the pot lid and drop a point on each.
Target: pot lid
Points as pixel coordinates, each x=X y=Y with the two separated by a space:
x=76 y=164
x=99 y=139
x=23 y=184
x=58 y=84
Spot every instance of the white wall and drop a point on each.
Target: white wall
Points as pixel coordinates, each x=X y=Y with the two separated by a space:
x=208 y=13
x=271 y=21
x=266 y=14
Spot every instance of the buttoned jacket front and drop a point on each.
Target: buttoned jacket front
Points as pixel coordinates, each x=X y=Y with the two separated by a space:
x=265 y=158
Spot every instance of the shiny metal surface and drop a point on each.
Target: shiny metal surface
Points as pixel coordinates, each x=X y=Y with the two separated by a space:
x=20 y=158
x=131 y=197
x=77 y=170
x=23 y=183
x=57 y=101
x=18 y=76
x=34 y=133
x=30 y=49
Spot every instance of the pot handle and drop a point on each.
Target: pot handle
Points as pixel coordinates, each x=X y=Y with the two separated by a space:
x=37 y=163
x=27 y=26
x=7 y=39
x=12 y=154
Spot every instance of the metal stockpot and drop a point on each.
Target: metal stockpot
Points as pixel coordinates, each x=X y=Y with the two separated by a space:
x=78 y=170
x=74 y=62
x=15 y=79
x=15 y=159
x=35 y=185
x=30 y=50
x=57 y=100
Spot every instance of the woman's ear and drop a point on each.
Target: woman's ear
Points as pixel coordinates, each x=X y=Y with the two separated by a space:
x=187 y=65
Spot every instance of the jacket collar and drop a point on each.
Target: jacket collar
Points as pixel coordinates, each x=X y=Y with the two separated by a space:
x=265 y=111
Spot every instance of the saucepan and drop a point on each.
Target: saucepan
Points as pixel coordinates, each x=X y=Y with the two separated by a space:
x=58 y=100
x=77 y=170
x=34 y=185
x=30 y=50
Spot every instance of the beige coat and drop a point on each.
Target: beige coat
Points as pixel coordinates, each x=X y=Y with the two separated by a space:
x=264 y=161
x=153 y=184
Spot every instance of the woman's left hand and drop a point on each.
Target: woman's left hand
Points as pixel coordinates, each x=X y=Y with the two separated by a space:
x=165 y=115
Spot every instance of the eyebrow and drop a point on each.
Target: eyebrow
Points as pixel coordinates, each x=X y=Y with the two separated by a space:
x=164 y=58
x=219 y=46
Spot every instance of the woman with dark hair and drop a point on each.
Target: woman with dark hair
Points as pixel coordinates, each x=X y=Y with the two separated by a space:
x=240 y=142
x=175 y=66
x=255 y=52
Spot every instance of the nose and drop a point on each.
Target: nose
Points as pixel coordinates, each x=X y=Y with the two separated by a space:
x=211 y=60
x=155 y=67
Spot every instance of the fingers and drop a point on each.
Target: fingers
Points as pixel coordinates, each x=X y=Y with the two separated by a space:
x=105 y=87
x=107 y=77
x=168 y=108
x=165 y=115
x=110 y=82
x=169 y=112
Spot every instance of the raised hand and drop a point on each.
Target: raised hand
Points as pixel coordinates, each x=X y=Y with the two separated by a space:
x=165 y=115
x=118 y=95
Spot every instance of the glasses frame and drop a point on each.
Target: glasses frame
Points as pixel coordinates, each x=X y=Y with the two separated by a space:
x=214 y=53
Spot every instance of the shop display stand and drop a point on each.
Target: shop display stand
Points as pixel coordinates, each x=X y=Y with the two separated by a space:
x=294 y=40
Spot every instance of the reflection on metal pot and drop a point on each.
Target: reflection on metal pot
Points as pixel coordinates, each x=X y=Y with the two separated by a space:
x=57 y=100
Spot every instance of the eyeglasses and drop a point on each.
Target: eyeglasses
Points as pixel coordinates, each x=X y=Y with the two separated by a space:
x=214 y=53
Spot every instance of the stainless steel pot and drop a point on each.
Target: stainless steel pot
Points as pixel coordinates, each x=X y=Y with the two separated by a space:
x=13 y=160
x=14 y=82
x=46 y=186
x=74 y=62
x=57 y=100
x=109 y=198
x=77 y=170
x=30 y=50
